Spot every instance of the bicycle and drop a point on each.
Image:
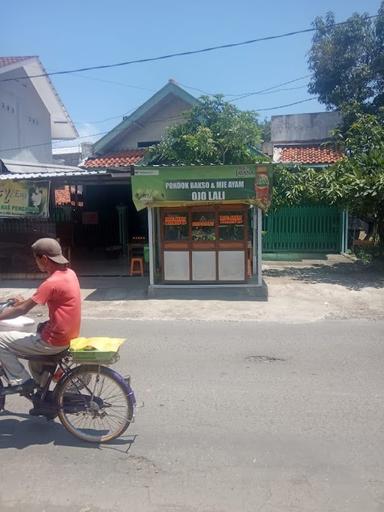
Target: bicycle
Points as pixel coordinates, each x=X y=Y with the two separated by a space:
x=93 y=402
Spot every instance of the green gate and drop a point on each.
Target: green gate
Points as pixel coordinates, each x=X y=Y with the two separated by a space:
x=303 y=229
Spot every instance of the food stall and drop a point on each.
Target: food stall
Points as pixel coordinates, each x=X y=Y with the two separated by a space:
x=204 y=222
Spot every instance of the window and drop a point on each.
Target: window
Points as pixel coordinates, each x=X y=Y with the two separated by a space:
x=62 y=196
x=231 y=225
x=77 y=196
x=203 y=226
x=147 y=144
x=176 y=226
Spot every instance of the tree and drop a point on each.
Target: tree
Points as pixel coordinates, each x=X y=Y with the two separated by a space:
x=358 y=179
x=214 y=132
x=356 y=182
x=347 y=62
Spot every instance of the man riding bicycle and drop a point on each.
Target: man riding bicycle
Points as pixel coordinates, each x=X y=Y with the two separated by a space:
x=61 y=292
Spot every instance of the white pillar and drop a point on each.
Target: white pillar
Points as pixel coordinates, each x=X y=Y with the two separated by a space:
x=346 y=230
x=150 y=243
x=254 y=241
x=342 y=231
x=259 y=246
x=157 y=243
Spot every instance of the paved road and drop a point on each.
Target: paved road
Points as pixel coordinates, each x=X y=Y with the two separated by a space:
x=249 y=416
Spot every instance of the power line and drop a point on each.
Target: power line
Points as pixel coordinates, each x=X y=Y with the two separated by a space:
x=176 y=54
x=245 y=94
x=107 y=118
x=284 y=89
x=180 y=116
x=50 y=143
x=283 y=106
x=114 y=82
x=197 y=89
x=261 y=91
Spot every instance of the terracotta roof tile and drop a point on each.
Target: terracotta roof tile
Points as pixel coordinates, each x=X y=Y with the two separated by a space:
x=309 y=154
x=122 y=159
x=7 y=61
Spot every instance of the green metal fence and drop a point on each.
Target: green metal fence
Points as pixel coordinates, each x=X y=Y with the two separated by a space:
x=303 y=229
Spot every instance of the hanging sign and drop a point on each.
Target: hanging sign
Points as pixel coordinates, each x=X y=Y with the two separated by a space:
x=24 y=199
x=248 y=184
x=172 y=220
x=231 y=219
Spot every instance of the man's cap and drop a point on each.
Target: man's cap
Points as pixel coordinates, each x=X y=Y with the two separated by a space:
x=51 y=248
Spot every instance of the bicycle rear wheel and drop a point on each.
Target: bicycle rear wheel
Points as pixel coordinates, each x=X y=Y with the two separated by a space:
x=94 y=403
x=2 y=397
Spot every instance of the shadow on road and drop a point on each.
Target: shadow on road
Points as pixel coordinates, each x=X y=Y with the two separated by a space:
x=354 y=275
x=20 y=431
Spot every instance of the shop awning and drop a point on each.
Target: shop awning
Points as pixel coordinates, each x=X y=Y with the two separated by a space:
x=14 y=170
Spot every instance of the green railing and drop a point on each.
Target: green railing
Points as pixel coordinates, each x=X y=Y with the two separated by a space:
x=303 y=229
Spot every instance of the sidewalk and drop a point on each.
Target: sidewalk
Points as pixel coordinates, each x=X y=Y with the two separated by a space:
x=309 y=290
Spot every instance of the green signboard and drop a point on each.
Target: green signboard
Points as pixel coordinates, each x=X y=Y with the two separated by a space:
x=24 y=199
x=175 y=186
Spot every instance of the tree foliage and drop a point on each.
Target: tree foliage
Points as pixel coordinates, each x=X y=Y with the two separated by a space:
x=356 y=182
x=347 y=62
x=358 y=179
x=214 y=132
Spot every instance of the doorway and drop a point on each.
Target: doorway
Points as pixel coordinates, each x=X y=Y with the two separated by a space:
x=97 y=222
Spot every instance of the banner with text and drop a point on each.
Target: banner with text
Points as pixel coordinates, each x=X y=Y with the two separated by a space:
x=24 y=199
x=170 y=186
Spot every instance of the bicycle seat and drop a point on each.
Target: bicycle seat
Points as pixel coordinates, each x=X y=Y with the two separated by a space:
x=49 y=358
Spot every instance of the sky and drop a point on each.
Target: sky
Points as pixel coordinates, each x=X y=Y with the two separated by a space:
x=79 y=33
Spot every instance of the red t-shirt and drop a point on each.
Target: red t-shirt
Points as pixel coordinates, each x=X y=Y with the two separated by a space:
x=61 y=292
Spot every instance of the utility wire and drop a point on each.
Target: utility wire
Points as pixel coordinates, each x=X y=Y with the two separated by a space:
x=176 y=54
x=49 y=143
x=198 y=90
x=122 y=84
x=107 y=118
x=283 y=106
x=284 y=89
x=268 y=90
x=180 y=116
x=245 y=94
x=261 y=91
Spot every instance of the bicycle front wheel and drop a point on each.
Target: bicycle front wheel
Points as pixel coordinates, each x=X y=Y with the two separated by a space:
x=94 y=403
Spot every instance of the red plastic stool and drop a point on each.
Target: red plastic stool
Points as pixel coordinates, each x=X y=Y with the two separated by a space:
x=137 y=267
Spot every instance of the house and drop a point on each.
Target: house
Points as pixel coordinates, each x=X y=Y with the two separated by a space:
x=116 y=153
x=304 y=139
x=72 y=155
x=31 y=116
x=125 y=144
x=90 y=208
x=31 y=112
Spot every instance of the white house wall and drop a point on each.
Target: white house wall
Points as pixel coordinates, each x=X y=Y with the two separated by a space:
x=299 y=128
x=25 y=126
x=153 y=126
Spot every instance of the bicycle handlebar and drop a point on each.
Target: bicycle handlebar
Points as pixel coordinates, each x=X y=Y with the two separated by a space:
x=7 y=304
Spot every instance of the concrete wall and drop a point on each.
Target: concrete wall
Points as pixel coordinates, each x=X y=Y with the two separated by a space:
x=303 y=127
x=24 y=121
x=72 y=156
x=153 y=125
